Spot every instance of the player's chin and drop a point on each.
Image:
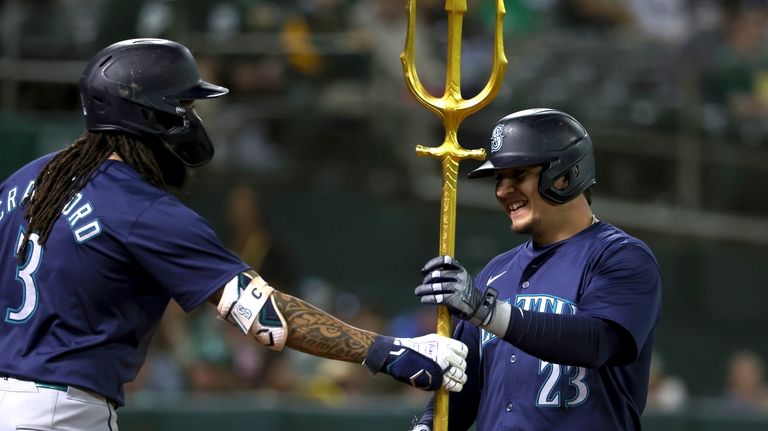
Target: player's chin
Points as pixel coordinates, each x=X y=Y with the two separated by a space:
x=521 y=227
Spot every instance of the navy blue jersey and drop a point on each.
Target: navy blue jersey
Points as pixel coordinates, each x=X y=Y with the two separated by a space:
x=600 y=272
x=81 y=309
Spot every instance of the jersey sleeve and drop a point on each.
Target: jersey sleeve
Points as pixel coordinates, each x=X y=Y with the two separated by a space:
x=181 y=251
x=626 y=289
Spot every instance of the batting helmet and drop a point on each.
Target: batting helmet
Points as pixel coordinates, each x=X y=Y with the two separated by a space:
x=545 y=137
x=138 y=86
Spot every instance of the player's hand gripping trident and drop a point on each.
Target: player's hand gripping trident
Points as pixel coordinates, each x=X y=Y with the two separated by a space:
x=446 y=282
x=452 y=110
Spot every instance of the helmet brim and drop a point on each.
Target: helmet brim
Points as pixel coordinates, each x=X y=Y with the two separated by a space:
x=485 y=170
x=204 y=90
x=514 y=160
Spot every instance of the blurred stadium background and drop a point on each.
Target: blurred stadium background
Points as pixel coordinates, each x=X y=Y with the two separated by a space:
x=316 y=183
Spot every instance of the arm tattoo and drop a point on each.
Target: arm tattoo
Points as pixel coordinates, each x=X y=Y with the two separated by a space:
x=313 y=331
x=316 y=332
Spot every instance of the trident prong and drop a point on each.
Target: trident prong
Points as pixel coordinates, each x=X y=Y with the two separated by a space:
x=452 y=109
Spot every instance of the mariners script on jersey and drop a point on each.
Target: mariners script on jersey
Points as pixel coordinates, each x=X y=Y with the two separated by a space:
x=75 y=311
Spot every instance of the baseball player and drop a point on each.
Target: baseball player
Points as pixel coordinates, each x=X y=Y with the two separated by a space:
x=94 y=247
x=561 y=327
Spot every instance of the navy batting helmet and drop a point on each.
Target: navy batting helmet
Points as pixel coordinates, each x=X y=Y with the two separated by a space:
x=138 y=86
x=544 y=137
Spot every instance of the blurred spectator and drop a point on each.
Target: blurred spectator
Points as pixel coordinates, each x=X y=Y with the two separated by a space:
x=396 y=123
x=49 y=29
x=673 y=21
x=216 y=358
x=252 y=239
x=665 y=392
x=244 y=128
x=44 y=30
x=209 y=359
x=336 y=382
x=311 y=18
x=413 y=323
x=522 y=19
x=245 y=125
x=733 y=67
x=737 y=79
x=594 y=16
x=119 y=20
x=746 y=387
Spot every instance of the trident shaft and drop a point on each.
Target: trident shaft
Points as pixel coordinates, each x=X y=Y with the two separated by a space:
x=452 y=110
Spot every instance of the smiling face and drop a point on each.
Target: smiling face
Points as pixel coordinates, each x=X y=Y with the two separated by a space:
x=517 y=191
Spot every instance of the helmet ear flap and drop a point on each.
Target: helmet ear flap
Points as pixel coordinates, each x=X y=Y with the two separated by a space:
x=577 y=177
x=570 y=176
x=99 y=104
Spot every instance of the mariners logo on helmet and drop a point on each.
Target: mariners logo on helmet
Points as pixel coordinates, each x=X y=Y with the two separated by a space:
x=496 y=137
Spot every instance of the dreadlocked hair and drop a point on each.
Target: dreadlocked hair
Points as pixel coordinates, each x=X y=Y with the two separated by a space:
x=69 y=171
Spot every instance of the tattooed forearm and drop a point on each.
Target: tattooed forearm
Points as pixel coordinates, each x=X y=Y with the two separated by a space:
x=316 y=332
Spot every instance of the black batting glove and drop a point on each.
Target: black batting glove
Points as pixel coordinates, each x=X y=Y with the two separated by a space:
x=447 y=283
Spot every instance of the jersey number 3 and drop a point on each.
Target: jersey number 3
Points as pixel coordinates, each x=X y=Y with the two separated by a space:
x=25 y=275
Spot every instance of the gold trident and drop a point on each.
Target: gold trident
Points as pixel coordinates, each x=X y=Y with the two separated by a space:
x=452 y=109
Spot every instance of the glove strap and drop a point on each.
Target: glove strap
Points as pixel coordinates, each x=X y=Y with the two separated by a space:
x=378 y=353
x=485 y=311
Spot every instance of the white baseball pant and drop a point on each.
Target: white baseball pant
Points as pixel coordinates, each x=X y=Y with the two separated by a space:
x=30 y=406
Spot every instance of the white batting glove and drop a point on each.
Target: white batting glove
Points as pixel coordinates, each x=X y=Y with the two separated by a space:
x=448 y=353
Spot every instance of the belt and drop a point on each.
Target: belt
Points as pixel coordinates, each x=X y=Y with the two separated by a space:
x=51 y=386
x=46 y=385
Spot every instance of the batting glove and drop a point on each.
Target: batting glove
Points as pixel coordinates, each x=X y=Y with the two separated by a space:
x=426 y=362
x=446 y=282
